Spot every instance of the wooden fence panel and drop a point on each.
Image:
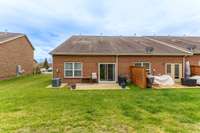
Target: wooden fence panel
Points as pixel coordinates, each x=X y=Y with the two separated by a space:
x=139 y=76
x=195 y=70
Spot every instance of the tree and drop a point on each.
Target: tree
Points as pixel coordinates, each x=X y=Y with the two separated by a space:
x=46 y=64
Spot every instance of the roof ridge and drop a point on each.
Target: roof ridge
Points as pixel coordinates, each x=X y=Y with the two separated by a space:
x=169 y=45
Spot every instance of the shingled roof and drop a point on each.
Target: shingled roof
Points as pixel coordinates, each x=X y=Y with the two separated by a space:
x=115 y=45
x=8 y=36
x=191 y=44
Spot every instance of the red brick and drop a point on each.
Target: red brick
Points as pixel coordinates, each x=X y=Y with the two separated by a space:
x=13 y=53
x=90 y=64
x=194 y=60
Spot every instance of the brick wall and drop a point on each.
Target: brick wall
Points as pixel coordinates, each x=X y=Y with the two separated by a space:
x=194 y=60
x=157 y=63
x=90 y=64
x=13 y=53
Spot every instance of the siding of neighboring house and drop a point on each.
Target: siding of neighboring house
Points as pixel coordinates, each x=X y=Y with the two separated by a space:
x=90 y=64
x=13 y=53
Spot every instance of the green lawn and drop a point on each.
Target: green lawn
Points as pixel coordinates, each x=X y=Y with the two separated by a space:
x=26 y=105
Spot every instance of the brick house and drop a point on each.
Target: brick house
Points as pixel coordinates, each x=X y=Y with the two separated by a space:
x=16 y=53
x=109 y=56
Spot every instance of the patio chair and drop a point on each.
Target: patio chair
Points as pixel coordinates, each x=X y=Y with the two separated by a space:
x=189 y=82
x=94 y=77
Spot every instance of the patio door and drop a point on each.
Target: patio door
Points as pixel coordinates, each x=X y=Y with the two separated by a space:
x=107 y=72
x=175 y=70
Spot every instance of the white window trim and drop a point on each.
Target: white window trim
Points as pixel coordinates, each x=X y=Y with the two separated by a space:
x=73 y=70
x=142 y=64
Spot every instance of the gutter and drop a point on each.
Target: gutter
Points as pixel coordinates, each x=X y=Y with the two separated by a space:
x=117 y=67
x=125 y=54
x=184 y=61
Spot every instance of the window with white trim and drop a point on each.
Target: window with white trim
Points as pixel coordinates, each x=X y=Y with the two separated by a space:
x=72 y=69
x=146 y=65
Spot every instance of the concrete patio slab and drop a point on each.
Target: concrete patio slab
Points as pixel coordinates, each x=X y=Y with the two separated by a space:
x=62 y=85
x=96 y=86
x=175 y=86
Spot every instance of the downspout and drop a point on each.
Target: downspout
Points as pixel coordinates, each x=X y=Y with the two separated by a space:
x=184 y=66
x=117 y=67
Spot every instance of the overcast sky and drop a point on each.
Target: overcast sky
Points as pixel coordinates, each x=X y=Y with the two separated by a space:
x=49 y=22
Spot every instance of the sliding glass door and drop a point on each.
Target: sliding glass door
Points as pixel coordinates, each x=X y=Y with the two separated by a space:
x=106 y=72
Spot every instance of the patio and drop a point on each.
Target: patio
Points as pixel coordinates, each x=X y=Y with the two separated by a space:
x=188 y=79
x=175 y=86
x=96 y=86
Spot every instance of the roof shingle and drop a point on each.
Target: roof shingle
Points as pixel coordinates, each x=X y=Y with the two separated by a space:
x=6 y=36
x=181 y=42
x=113 y=45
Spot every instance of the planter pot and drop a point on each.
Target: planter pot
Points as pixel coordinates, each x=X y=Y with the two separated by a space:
x=73 y=86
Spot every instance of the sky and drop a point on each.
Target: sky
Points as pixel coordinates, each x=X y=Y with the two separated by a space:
x=48 y=23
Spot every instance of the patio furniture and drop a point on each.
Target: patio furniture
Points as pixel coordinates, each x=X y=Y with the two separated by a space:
x=197 y=78
x=163 y=80
x=94 y=77
x=122 y=81
x=189 y=82
x=73 y=86
x=123 y=85
x=88 y=80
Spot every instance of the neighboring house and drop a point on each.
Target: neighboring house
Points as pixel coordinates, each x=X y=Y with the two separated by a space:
x=80 y=57
x=16 y=55
x=191 y=44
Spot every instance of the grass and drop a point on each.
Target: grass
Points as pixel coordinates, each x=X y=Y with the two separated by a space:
x=26 y=105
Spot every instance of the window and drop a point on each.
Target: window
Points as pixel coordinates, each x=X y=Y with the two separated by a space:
x=72 y=69
x=177 y=71
x=146 y=65
x=169 y=69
